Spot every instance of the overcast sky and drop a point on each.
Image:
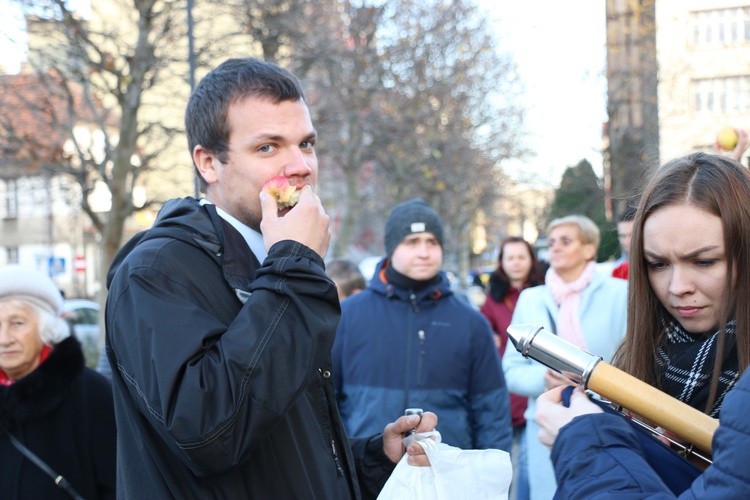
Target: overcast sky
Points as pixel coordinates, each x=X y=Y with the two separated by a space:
x=560 y=50
x=11 y=22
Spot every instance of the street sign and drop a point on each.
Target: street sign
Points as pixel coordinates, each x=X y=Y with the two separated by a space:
x=79 y=263
x=56 y=266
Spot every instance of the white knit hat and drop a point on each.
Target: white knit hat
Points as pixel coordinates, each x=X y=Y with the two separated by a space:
x=24 y=282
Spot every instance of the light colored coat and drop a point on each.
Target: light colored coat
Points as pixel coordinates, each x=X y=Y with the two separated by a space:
x=603 y=314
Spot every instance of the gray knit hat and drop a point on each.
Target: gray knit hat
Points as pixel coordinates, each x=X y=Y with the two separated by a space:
x=410 y=217
x=28 y=283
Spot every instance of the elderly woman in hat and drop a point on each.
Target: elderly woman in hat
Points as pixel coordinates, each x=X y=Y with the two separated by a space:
x=57 y=424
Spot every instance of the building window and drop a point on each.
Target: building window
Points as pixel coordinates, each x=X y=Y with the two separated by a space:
x=734 y=25
x=11 y=255
x=10 y=199
x=720 y=27
x=721 y=95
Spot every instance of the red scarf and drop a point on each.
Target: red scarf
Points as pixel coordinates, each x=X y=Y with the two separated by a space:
x=6 y=380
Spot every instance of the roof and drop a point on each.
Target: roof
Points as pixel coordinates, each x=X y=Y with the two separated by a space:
x=37 y=115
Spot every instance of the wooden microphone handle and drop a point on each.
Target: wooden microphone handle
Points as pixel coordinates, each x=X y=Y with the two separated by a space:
x=650 y=403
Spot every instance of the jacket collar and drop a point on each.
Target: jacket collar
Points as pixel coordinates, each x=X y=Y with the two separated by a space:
x=185 y=219
x=379 y=284
x=41 y=391
x=597 y=282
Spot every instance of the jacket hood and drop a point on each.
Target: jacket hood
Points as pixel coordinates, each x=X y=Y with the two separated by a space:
x=183 y=219
x=380 y=285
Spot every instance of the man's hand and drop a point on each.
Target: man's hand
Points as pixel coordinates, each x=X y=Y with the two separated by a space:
x=394 y=433
x=306 y=223
x=551 y=415
x=743 y=141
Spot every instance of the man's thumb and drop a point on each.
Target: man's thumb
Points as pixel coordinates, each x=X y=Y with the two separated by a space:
x=268 y=204
x=578 y=394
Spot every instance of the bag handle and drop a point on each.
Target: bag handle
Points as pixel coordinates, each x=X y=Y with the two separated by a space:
x=433 y=436
x=59 y=480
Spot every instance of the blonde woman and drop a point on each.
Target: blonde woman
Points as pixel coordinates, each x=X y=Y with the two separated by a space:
x=580 y=305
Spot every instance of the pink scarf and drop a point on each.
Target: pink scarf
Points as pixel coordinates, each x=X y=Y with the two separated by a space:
x=568 y=297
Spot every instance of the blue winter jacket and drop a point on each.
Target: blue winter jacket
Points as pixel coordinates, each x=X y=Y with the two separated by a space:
x=398 y=349
x=599 y=456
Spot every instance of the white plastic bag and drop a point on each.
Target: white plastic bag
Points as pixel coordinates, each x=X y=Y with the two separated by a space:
x=453 y=474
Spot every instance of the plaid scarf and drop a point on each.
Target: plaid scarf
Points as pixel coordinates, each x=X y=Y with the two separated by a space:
x=686 y=362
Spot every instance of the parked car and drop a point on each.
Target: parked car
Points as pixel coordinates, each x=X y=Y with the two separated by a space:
x=84 y=316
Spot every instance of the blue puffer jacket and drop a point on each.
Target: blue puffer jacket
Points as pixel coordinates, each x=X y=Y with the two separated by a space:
x=599 y=456
x=398 y=349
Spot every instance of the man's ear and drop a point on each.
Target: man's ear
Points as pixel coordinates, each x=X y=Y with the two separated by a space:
x=207 y=163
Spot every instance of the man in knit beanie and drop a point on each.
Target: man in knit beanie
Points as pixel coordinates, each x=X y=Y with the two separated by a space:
x=407 y=341
x=411 y=217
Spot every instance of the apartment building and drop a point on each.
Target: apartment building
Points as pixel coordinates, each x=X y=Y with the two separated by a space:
x=703 y=49
x=41 y=221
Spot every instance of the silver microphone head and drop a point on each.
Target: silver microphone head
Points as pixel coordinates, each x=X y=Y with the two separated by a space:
x=536 y=343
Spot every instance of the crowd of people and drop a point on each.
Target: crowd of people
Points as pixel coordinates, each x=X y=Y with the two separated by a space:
x=241 y=365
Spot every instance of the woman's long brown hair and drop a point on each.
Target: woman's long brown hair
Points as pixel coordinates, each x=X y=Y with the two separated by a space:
x=720 y=186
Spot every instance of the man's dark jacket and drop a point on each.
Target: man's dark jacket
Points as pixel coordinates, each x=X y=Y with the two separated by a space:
x=222 y=368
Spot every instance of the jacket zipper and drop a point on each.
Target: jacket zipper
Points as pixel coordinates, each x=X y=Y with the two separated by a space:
x=413 y=299
x=336 y=458
x=422 y=354
x=330 y=419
